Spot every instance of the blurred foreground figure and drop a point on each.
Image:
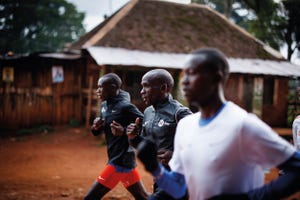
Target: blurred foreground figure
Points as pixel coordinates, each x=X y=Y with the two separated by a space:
x=221 y=152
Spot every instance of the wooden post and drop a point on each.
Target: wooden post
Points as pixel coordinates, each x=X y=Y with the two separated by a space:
x=240 y=89
x=89 y=103
x=276 y=96
x=80 y=99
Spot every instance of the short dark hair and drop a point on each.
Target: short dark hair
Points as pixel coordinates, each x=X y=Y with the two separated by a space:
x=162 y=76
x=113 y=78
x=215 y=59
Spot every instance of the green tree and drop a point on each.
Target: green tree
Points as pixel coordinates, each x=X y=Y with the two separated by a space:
x=276 y=23
x=266 y=25
x=34 y=25
x=291 y=29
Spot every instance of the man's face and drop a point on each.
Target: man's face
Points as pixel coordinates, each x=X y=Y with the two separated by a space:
x=199 y=84
x=104 y=89
x=151 y=90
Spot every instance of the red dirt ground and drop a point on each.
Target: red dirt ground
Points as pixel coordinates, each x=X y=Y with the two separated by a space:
x=59 y=165
x=56 y=165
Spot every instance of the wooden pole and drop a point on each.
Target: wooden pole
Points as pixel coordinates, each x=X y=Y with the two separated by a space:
x=80 y=99
x=89 y=103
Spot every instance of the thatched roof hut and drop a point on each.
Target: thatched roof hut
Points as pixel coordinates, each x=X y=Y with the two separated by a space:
x=158 y=26
x=146 y=34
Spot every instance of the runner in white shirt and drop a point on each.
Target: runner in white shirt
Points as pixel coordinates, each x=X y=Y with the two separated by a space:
x=222 y=151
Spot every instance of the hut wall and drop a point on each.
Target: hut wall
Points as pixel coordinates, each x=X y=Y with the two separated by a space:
x=234 y=89
x=275 y=111
x=33 y=99
x=240 y=89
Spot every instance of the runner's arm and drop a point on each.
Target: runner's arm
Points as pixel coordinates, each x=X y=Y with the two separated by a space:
x=284 y=186
x=135 y=141
x=171 y=182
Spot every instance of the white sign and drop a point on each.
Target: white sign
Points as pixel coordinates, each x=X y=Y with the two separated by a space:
x=57 y=74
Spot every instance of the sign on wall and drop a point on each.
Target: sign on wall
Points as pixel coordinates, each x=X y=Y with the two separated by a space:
x=57 y=74
x=8 y=74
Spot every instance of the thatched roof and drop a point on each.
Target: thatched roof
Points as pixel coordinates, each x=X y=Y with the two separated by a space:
x=151 y=25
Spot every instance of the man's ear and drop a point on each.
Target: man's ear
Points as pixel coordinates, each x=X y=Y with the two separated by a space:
x=164 y=87
x=113 y=88
x=219 y=77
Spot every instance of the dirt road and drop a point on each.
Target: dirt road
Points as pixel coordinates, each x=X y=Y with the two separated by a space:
x=58 y=165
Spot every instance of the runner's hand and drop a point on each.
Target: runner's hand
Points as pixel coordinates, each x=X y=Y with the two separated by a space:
x=133 y=129
x=97 y=124
x=164 y=156
x=116 y=129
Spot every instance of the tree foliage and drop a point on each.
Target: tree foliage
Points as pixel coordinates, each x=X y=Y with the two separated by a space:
x=291 y=29
x=34 y=25
x=274 y=23
x=266 y=25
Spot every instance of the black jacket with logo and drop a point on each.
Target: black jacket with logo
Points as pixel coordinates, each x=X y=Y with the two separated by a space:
x=160 y=123
x=122 y=111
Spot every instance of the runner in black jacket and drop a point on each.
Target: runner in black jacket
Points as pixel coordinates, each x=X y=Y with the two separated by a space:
x=160 y=119
x=116 y=113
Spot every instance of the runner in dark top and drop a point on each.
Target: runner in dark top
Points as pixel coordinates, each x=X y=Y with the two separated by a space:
x=160 y=119
x=116 y=113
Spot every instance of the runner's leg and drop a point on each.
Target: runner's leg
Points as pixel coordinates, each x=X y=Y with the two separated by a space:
x=96 y=192
x=106 y=181
x=138 y=191
x=132 y=182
